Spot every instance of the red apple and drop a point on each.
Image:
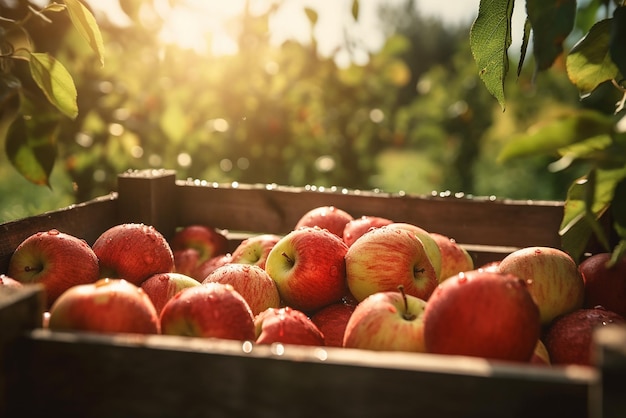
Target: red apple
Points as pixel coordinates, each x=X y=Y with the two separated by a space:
x=9 y=281
x=482 y=314
x=331 y=320
x=161 y=287
x=454 y=258
x=254 y=250
x=358 y=226
x=326 y=217
x=212 y=310
x=604 y=284
x=55 y=259
x=251 y=281
x=386 y=257
x=556 y=285
x=430 y=245
x=387 y=321
x=569 y=338
x=210 y=265
x=309 y=268
x=133 y=252
x=107 y=306
x=208 y=241
x=288 y=326
x=186 y=261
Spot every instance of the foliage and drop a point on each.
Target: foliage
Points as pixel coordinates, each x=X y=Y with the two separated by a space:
x=30 y=139
x=587 y=135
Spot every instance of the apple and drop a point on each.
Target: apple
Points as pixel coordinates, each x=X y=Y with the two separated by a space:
x=251 y=281
x=254 y=250
x=161 y=287
x=540 y=355
x=482 y=314
x=106 y=306
x=308 y=265
x=186 y=261
x=332 y=320
x=454 y=258
x=208 y=266
x=325 y=217
x=430 y=245
x=386 y=257
x=387 y=321
x=569 y=338
x=208 y=241
x=9 y=281
x=358 y=226
x=556 y=285
x=212 y=310
x=287 y=326
x=604 y=284
x=133 y=252
x=55 y=259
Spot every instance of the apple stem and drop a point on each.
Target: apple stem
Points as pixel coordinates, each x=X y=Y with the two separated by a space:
x=289 y=259
x=406 y=314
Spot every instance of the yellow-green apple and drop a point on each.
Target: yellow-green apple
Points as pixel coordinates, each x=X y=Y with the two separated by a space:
x=106 y=306
x=454 y=257
x=569 y=338
x=133 y=252
x=251 y=281
x=605 y=283
x=326 y=217
x=55 y=259
x=203 y=240
x=556 y=285
x=255 y=249
x=540 y=355
x=358 y=226
x=287 y=326
x=482 y=314
x=387 y=321
x=430 y=245
x=384 y=258
x=212 y=310
x=161 y=287
x=308 y=265
x=9 y=281
x=332 y=320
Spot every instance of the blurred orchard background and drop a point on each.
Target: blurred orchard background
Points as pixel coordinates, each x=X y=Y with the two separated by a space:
x=292 y=92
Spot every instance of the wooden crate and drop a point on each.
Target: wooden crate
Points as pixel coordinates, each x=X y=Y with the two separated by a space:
x=81 y=374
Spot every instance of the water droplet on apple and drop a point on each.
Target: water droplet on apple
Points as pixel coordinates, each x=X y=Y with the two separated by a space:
x=53 y=232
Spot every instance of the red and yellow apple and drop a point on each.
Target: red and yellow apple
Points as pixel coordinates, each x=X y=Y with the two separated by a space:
x=454 y=258
x=326 y=217
x=482 y=314
x=287 y=326
x=430 y=245
x=55 y=259
x=332 y=320
x=161 y=287
x=254 y=250
x=309 y=268
x=384 y=258
x=358 y=226
x=105 y=306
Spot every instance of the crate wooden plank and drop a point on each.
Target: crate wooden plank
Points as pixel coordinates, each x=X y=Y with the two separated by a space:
x=161 y=376
x=610 y=349
x=85 y=220
x=276 y=209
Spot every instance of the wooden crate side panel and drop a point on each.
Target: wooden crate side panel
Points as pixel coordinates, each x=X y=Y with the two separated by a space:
x=610 y=348
x=86 y=220
x=143 y=380
x=496 y=223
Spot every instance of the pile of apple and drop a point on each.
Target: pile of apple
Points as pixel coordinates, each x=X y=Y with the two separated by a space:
x=334 y=280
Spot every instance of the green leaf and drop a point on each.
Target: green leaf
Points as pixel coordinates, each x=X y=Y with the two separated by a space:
x=86 y=25
x=557 y=134
x=490 y=39
x=56 y=83
x=355 y=9
x=589 y=63
x=552 y=21
x=31 y=148
x=617 y=46
x=524 y=47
